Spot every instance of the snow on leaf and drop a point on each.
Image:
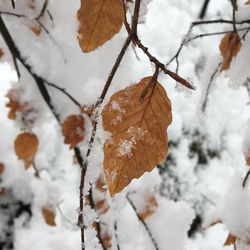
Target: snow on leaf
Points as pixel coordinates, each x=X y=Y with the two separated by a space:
x=14 y=103
x=139 y=138
x=101 y=185
x=102 y=206
x=73 y=130
x=149 y=207
x=49 y=216
x=99 y=21
x=229 y=47
x=26 y=145
x=107 y=240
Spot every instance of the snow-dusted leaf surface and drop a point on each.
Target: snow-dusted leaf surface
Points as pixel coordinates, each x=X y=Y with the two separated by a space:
x=205 y=148
x=138 y=126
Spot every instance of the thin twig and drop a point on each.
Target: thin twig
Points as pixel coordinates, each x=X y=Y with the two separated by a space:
x=247 y=86
x=204 y=104
x=63 y=90
x=41 y=14
x=36 y=171
x=219 y=21
x=143 y=223
x=63 y=216
x=191 y=39
x=113 y=72
x=161 y=66
x=50 y=16
x=37 y=20
x=215 y=34
x=7 y=13
x=153 y=59
x=52 y=39
x=13 y=4
x=234 y=8
x=16 y=67
x=38 y=79
x=116 y=235
x=245 y=179
x=204 y=9
x=188 y=39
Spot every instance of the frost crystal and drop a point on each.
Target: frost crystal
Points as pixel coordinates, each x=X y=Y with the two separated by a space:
x=116 y=106
x=126 y=146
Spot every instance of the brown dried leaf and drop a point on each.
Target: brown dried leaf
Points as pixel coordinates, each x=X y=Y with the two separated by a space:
x=26 y=145
x=102 y=206
x=99 y=21
x=2 y=190
x=149 y=208
x=231 y=239
x=14 y=103
x=229 y=47
x=1 y=53
x=248 y=161
x=37 y=29
x=101 y=185
x=138 y=128
x=1 y=168
x=49 y=216
x=106 y=240
x=73 y=130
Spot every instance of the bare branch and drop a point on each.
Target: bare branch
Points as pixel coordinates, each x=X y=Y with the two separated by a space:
x=133 y=34
x=152 y=59
x=204 y=104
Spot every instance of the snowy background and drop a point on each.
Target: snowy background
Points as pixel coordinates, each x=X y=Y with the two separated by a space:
x=202 y=178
